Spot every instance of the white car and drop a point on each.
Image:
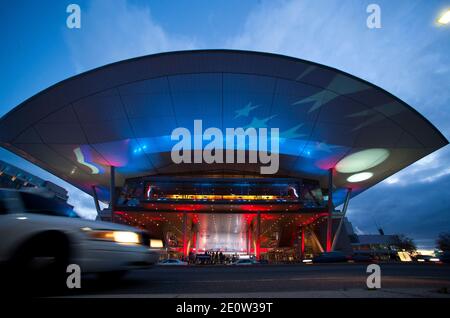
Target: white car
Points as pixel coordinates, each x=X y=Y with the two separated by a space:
x=40 y=234
x=172 y=262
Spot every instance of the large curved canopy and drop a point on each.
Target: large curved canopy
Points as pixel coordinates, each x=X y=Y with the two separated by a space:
x=123 y=114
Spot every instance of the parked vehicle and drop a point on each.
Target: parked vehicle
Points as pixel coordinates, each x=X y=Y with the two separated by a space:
x=244 y=262
x=427 y=259
x=172 y=262
x=363 y=258
x=444 y=257
x=330 y=257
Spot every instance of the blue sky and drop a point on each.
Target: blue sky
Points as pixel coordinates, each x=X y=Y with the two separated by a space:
x=409 y=57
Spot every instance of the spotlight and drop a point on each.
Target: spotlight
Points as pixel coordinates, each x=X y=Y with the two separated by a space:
x=360 y=177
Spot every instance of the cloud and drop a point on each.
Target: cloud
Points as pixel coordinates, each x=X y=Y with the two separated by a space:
x=427 y=170
x=404 y=56
x=358 y=231
x=408 y=57
x=84 y=205
x=111 y=33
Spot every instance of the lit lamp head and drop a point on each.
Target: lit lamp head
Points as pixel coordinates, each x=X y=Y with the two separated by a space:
x=444 y=18
x=359 y=177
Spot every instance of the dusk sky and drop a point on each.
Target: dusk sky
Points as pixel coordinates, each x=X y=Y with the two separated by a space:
x=409 y=56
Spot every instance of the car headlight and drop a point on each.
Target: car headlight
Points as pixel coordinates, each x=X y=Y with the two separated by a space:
x=124 y=237
x=156 y=243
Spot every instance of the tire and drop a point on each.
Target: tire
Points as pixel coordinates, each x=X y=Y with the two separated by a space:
x=40 y=265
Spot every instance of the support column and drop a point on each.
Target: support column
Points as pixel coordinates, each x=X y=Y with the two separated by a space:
x=330 y=210
x=194 y=231
x=97 y=205
x=258 y=236
x=112 y=191
x=246 y=240
x=194 y=241
x=185 y=234
x=344 y=211
x=250 y=239
x=315 y=239
x=302 y=251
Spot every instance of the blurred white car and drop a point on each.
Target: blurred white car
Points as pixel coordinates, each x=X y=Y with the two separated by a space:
x=172 y=262
x=40 y=234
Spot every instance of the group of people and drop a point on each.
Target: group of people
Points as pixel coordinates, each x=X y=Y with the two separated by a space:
x=212 y=258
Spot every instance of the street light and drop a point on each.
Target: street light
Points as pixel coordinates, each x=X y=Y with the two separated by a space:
x=444 y=18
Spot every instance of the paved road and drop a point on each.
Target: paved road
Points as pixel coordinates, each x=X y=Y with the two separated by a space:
x=324 y=280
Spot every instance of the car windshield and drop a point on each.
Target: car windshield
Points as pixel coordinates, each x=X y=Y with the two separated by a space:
x=40 y=205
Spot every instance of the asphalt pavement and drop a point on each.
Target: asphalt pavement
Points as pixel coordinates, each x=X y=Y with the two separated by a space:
x=317 y=280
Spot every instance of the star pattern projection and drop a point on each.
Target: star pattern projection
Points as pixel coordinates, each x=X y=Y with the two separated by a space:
x=340 y=85
x=245 y=111
x=376 y=114
x=291 y=133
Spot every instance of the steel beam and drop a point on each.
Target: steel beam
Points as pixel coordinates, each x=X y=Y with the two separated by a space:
x=95 y=196
x=315 y=239
x=344 y=211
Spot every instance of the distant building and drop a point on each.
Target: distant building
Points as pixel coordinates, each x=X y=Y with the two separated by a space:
x=376 y=244
x=12 y=177
x=380 y=245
